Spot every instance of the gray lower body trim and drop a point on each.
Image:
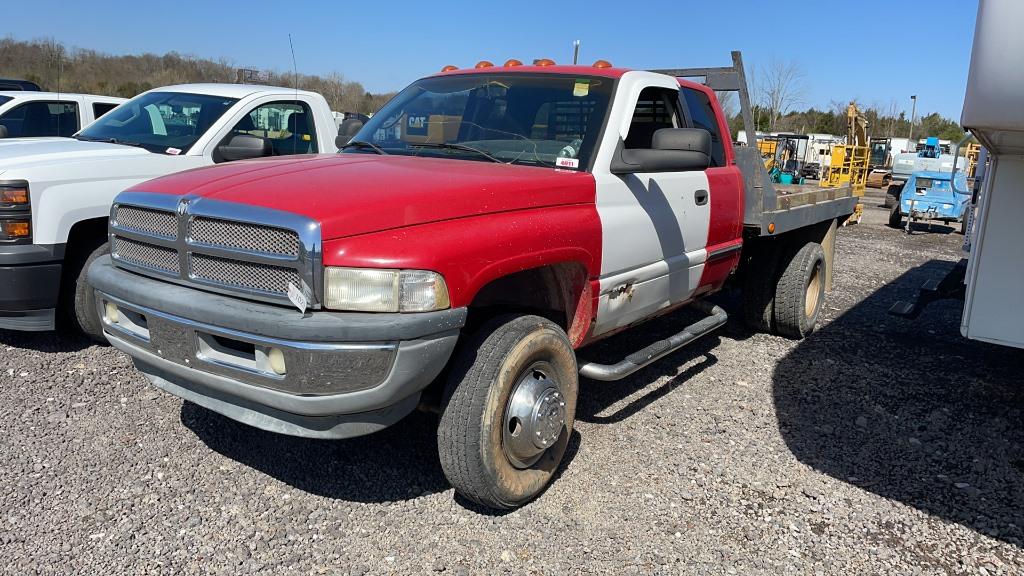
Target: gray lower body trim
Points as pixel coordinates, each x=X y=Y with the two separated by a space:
x=29 y=320
x=267 y=418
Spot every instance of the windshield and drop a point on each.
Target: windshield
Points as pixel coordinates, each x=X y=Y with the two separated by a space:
x=537 y=120
x=165 y=122
x=931 y=183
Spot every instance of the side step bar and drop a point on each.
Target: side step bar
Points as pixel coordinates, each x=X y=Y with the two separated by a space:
x=716 y=318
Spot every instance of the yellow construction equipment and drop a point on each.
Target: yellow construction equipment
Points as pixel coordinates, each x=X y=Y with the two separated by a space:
x=849 y=162
x=973 y=149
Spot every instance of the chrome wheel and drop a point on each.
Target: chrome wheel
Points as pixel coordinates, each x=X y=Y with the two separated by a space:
x=534 y=417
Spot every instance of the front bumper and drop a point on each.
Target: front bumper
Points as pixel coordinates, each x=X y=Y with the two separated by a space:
x=931 y=208
x=345 y=374
x=29 y=286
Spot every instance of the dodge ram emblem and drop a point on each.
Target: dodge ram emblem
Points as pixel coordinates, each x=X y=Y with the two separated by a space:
x=182 y=207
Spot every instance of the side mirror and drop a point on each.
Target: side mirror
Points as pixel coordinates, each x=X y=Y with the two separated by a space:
x=3 y=131
x=672 y=150
x=346 y=130
x=244 y=147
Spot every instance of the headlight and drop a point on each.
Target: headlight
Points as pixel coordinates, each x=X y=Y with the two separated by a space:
x=369 y=290
x=14 y=195
x=15 y=212
x=947 y=206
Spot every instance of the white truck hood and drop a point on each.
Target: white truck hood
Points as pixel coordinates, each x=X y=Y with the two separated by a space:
x=62 y=151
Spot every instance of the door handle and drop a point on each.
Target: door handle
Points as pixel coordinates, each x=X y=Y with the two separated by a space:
x=701 y=197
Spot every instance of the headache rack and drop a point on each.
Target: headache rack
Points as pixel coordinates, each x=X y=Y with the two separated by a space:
x=770 y=208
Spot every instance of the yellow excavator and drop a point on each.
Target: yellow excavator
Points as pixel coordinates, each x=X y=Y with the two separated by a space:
x=849 y=162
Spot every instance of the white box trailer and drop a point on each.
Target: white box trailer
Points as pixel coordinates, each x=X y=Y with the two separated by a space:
x=993 y=112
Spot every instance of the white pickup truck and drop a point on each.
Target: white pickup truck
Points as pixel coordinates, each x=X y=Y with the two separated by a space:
x=41 y=114
x=55 y=193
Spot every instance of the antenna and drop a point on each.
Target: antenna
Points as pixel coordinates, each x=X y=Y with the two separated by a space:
x=295 y=67
x=575 y=52
x=60 y=64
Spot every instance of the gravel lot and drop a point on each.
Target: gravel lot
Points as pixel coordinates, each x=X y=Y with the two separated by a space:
x=877 y=445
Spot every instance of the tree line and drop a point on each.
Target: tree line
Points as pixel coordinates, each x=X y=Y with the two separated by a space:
x=55 y=67
x=778 y=90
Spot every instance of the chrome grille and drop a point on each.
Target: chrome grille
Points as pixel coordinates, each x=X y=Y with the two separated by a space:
x=244 y=236
x=223 y=247
x=145 y=255
x=156 y=222
x=245 y=275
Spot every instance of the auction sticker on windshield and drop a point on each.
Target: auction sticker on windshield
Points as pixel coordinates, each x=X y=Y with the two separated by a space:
x=581 y=88
x=567 y=162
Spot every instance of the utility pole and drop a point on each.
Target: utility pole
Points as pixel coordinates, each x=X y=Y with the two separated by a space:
x=913 y=116
x=575 y=52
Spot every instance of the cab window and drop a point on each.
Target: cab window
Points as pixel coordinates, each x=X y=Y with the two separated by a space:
x=288 y=126
x=656 y=108
x=33 y=119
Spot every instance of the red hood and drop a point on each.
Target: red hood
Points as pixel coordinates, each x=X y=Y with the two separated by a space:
x=351 y=194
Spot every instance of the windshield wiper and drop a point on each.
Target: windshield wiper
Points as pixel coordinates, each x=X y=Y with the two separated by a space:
x=108 y=140
x=456 y=146
x=365 y=144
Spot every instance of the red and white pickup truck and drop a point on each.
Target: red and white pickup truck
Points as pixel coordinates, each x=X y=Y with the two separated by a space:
x=470 y=238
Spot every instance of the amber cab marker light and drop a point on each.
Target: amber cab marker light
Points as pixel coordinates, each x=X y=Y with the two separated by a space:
x=484 y=64
x=602 y=64
x=771 y=227
x=512 y=62
x=13 y=196
x=543 y=62
x=449 y=68
x=15 y=229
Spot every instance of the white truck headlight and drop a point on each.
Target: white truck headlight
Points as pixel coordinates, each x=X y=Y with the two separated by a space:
x=370 y=290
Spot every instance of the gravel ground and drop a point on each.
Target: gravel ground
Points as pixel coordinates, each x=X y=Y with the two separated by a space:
x=878 y=445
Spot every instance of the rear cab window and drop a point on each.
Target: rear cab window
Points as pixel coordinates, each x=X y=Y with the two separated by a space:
x=101 y=108
x=702 y=114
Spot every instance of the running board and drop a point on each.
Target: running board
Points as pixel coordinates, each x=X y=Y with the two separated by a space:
x=716 y=318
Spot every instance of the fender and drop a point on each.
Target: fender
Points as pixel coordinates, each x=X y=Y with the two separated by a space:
x=472 y=252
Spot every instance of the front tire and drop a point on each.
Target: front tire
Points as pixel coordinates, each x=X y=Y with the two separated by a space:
x=800 y=292
x=895 y=217
x=78 y=302
x=509 y=411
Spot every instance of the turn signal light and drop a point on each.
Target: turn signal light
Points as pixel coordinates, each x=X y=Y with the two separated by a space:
x=602 y=64
x=512 y=62
x=449 y=68
x=15 y=230
x=484 y=64
x=13 y=195
x=543 y=62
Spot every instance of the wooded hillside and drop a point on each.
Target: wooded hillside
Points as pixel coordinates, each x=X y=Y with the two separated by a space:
x=92 y=72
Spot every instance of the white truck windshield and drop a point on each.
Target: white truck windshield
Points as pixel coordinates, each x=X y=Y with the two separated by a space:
x=164 y=122
x=518 y=118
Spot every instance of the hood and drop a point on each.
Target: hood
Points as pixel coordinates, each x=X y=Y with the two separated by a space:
x=32 y=152
x=352 y=194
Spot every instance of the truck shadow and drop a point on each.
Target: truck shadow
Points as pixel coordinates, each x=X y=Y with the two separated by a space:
x=61 y=341
x=926 y=227
x=398 y=463
x=911 y=410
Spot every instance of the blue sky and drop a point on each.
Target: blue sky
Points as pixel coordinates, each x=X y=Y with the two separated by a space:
x=902 y=47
